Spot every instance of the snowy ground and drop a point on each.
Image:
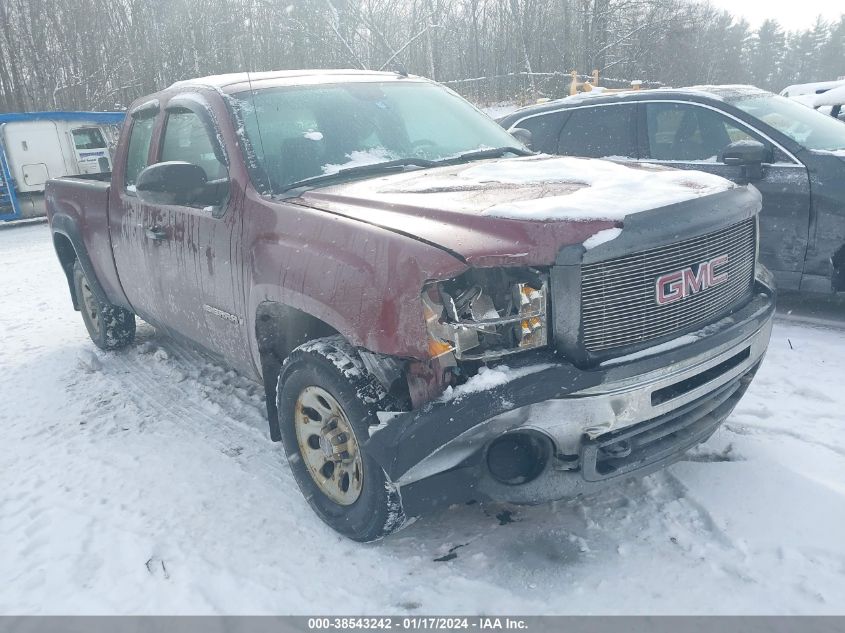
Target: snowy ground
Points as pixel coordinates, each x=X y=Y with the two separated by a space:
x=499 y=110
x=144 y=482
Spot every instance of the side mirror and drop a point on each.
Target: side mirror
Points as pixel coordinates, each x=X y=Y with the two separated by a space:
x=750 y=155
x=522 y=135
x=171 y=182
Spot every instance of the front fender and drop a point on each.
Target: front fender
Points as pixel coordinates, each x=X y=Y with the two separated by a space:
x=362 y=280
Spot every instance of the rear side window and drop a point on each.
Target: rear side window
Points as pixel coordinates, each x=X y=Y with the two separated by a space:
x=186 y=139
x=139 y=149
x=600 y=131
x=682 y=132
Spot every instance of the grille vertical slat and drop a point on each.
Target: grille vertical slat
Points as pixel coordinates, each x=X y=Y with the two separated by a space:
x=618 y=304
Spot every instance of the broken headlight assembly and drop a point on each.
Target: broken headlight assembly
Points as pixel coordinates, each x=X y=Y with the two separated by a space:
x=485 y=314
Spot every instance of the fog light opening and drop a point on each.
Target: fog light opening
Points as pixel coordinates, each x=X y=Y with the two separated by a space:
x=518 y=458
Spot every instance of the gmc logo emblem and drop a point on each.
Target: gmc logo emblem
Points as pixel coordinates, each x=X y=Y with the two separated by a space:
x=681 y=284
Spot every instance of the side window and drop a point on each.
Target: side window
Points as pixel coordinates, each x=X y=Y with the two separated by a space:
x=600 y=131
x=186 y=139
x=682 y=132
x=544 y=129
x=88 y=138
x=139 y=149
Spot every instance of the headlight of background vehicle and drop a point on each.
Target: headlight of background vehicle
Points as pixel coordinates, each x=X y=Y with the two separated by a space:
x=487 y=313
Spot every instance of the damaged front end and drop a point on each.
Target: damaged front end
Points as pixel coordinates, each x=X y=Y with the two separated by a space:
x=547 y=428
x=476 y=319
x=486 y=314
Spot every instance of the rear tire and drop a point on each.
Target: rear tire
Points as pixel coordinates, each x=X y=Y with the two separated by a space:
x=326 y=403
x=109 y=326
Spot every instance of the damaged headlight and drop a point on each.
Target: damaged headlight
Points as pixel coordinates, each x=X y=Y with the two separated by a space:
x=487 y=313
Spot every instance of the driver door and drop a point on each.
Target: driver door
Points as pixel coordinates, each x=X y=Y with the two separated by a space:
x=195 y=257
x=691 y=136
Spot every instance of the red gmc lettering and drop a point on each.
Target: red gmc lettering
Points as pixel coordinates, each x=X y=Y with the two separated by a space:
x=716 y=279
x=670 y=287
x=680 y=284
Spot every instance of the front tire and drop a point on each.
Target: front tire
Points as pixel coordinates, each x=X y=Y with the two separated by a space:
x=109 y=326
x=326 y=403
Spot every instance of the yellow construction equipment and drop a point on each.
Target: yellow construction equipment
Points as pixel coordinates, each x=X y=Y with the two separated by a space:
x=577 y=86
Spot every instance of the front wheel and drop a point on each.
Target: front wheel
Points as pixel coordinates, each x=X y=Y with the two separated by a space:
x=109 y=326
x=326 y=404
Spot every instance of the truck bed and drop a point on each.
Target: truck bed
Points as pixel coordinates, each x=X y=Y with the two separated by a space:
x=103 y=176
x=83 y=201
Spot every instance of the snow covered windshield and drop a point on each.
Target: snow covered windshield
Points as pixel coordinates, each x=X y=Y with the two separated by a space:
x=803 y=125
x=308 y=131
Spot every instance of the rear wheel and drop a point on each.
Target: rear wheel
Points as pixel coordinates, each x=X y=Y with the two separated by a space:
x=109 y=326
x=326 y=404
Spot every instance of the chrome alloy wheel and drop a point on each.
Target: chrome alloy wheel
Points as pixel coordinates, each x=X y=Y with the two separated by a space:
x=90 y=305
x=328 y=445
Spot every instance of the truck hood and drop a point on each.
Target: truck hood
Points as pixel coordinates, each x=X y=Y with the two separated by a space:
x=513 y=211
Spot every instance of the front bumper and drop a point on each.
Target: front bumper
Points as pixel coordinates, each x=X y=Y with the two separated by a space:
x=657 y=406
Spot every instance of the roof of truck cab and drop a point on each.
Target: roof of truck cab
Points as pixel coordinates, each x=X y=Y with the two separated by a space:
x=237 y=82
x=598 y=96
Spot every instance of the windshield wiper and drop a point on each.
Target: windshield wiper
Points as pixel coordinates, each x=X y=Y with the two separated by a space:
x=491 y=152
x=370 y=168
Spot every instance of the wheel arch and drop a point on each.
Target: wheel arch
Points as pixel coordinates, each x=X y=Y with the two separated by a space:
x=67 y=258
x=70 y=248
x=279 y=329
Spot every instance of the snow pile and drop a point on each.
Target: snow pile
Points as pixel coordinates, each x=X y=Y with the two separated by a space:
x=811 y=88
x=830 y=152
x=601 y=237
x=604 y=190
x=360 y=157
x=499 y=110
x=832 y=97
x=489 y=378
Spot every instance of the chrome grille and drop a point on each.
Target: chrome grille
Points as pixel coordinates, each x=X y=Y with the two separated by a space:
x=618 y=304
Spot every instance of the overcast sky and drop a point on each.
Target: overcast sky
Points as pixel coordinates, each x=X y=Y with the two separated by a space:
x=792 y=14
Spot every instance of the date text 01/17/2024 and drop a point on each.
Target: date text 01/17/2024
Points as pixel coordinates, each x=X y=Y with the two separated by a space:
x=417 y=623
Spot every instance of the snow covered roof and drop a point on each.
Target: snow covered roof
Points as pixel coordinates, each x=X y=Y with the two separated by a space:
x=234 y=82
x=727 y=92
x=832 y=97
x=817 y=87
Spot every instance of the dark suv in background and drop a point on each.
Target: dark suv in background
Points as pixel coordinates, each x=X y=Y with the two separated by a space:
x=794 y=155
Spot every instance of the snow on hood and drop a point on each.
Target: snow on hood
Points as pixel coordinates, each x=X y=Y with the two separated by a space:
x=603 y=190
x=829 y=152
x=494 y=211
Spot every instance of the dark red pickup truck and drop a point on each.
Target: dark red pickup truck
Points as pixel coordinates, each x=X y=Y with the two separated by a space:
x=416 y=291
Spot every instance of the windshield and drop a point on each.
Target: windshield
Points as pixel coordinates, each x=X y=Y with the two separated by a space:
x=803 y=125
x=299 y=133
x=88 y=138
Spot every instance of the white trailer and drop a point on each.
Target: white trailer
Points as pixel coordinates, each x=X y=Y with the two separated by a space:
x=37 y=146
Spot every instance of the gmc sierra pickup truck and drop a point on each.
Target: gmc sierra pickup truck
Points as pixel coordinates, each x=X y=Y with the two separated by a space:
x=417 y=292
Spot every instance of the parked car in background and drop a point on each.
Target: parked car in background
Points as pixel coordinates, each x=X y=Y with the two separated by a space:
x=37 y=146
x=416 y=293
x=828 y=101
x=812 y=88
x=792 y=154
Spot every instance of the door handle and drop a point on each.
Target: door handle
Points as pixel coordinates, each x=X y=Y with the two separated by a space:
x=155 y=233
